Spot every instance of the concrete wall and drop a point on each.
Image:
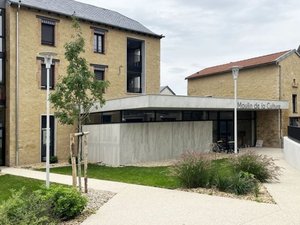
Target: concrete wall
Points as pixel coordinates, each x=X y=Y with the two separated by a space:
x=104 y=143
x=145 y=142
x=291 y=152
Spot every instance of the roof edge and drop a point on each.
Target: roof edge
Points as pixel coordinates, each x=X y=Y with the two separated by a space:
x=84 y=19
x=284 y=56
x=226 y=71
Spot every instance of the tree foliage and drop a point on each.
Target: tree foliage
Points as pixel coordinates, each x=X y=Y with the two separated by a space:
x=76 y=92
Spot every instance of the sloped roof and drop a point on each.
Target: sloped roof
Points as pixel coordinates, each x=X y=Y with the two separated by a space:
x=162 y=88
x=243 y=64
x=87 y=12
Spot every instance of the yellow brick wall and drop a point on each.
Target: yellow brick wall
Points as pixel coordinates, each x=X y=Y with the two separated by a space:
x=259 y=83
x=268 y=128
x=290 y=69
x=32 y=98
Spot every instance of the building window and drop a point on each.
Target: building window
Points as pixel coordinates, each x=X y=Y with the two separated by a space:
x=48 y=32
x=294 y=99
x=99 y=74
x=44 y=77
x=98 y=42
x=134 y=66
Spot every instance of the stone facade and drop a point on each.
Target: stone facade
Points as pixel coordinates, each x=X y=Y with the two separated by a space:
x=32 y=98
x=268 y=82
x=252 y=83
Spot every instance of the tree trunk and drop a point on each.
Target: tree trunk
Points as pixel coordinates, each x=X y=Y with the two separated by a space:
x=79 y=152
x=73 y=159
x=85 y=163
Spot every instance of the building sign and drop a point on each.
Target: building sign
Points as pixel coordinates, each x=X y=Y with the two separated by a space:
x=258 y=105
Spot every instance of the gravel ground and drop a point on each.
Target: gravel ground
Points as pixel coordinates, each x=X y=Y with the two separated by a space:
x=263 y=195
x=96 y=199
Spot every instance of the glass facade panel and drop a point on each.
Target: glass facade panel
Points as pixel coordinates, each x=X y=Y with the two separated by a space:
x=1 y=26
x=226 y=115
x=138 y=116
x=194 y=115
x=93 y=118
x=243 y=115
x=168 y=116
x=111 y=117
x=1 y=71
x=213 y=115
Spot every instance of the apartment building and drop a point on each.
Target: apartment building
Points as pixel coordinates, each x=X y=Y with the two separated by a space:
x=119 y=50
x=269 y=77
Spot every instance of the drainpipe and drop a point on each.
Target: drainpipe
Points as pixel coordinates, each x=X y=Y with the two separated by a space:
x=17 y=86
x=280 y=98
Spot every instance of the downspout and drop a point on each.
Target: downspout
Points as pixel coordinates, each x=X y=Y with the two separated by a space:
x=279 y=98
x=17 y=86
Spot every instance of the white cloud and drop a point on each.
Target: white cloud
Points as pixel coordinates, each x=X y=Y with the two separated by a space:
x=209 y=32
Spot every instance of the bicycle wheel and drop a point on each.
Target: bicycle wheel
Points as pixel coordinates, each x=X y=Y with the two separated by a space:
x=215 y=148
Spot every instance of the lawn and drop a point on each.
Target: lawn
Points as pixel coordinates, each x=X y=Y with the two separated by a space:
x=149 y=176
x=9 y=182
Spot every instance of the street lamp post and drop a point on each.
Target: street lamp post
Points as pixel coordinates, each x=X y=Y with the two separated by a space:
x=48 y=57
x=235 y=74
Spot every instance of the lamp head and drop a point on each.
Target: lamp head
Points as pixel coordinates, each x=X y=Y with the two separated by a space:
x=235 y=72
x=48 y=56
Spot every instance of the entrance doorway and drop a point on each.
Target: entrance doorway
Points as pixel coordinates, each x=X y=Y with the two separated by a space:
x=226 y=130
x=43 y=137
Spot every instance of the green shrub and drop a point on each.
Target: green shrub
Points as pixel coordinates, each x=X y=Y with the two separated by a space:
x=262 y=167
x=53 y=159
x=239 y=183
x=66 y=202
x=193 y=170
x=222 y=183
x=22 y=209
x=243 y=183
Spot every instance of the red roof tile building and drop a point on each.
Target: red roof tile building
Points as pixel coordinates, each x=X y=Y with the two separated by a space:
x=269 y=77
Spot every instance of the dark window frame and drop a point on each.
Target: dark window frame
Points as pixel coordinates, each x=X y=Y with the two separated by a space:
x=96 y=70
x=294 y=103
x=96 y=46
x=134 y=66
x=51 y=77
x=49 y=24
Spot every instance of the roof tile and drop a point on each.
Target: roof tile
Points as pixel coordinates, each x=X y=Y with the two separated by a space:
x=87 y=12
x=247 y=63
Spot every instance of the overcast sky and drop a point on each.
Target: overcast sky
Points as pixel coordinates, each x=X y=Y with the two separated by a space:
x=203 y=33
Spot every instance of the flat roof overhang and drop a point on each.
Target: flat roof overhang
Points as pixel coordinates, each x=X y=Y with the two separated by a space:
x=165 y=102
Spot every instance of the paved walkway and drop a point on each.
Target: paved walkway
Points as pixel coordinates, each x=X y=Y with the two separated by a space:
x=140 y=205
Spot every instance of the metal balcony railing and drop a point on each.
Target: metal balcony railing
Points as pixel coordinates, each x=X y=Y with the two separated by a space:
x=294 y=133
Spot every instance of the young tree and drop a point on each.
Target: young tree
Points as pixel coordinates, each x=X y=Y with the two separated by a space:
x=76 y=92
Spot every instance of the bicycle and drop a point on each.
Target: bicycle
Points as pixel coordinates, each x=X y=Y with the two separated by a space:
x=218 y=147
